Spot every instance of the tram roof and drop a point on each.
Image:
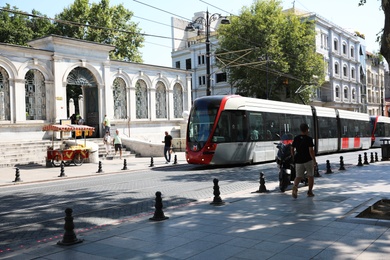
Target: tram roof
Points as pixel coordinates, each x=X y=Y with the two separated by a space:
x=263 y=105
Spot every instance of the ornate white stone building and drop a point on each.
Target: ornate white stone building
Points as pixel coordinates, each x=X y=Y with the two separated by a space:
x=39 y=85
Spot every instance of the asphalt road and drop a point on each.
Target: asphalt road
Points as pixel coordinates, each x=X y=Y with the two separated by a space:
x=35 y=213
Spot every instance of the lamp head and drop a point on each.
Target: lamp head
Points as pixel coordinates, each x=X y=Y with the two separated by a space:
x=190 y=28
x=224 y=20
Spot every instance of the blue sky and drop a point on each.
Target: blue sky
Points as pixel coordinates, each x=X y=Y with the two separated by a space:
x=368 y=19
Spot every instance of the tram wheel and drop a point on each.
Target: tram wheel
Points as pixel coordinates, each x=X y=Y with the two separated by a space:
x=78 y=159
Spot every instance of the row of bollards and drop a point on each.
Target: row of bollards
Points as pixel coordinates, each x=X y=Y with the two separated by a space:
x=100 y=168
x=365 y=159
x=70 y=238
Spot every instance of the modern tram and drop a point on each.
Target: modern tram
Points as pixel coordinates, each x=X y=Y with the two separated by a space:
x=235 y=130
x=380 y=129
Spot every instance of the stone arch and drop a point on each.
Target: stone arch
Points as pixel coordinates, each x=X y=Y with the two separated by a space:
x=91 y=68
x=38 y=65
x=9 y=67
x=143 y=77
x=123 y=76
x=162 y=79
x=82 y=87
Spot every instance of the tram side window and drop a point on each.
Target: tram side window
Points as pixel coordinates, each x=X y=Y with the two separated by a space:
x=293 y=123
x=231 y=127
x=238 y=126
x=327 y=127
x=366 y=129
x=386 y=129
x=221 y=133
x=256 y=126
x=272 y=126
x=355 y=128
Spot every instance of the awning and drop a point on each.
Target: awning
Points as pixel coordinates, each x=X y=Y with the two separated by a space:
x=68 y=128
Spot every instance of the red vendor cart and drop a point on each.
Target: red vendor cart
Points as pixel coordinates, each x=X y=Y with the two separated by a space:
x=68 y=154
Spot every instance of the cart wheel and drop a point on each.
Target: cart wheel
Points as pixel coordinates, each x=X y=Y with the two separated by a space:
x=67 y=163
x=78 y=159
x=56 y=161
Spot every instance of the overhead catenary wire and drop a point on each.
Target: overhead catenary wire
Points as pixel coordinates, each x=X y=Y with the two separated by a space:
x=84 y=25
x=124 y=31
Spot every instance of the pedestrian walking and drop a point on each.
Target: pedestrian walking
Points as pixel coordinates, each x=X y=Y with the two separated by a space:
x=118 y=143
x=302 y=150
x=167 y=147
x=107 y=142
x=106 y=123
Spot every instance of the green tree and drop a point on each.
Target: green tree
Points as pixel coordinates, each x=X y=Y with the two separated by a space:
x=269 y=53
x=18 y=28
x=384 y=37
x=101 y=23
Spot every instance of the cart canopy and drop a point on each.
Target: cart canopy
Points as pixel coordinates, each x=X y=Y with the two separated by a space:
x=67 y=128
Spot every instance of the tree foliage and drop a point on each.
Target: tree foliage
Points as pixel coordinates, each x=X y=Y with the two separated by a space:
x=269 y=53
x=18 y=28
x=97 y=22
x=384 y=38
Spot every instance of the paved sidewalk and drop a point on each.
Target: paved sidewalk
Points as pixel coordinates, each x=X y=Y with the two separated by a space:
x=249 y=225
x=39 y=173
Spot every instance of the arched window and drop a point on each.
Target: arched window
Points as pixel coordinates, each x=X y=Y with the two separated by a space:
x=345 y=92
x=345 y=70
x=336 y=68
x=178 y=101
x=352 y=52
x=35 y=95
x=344 y=48
x=120 y=99
x=335 y=45
x=353 y=75
x=337 y=92
x=141 y=94
x=353 y=94
x=161 y=100
x=4 y=95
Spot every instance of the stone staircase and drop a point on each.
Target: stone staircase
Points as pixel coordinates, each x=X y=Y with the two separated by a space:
x=23 y=153
x=35 y=152
x=126 y=153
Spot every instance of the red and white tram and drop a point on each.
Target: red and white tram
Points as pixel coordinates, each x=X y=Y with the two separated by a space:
x=234 y=129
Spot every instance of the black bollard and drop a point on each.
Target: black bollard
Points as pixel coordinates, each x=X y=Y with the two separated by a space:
x=158 y=213
x=360 y=160
x=328 y=169
x=342 y=168
x=376 y=156
x=217 y=201
x=262 y=187
x=366 y=159
x=62 y=170
x=124 y=164
x=100 y=169
x=372 y=158
x=151 y=162
x=175 y=160
x=17 y=176
x=69 y=237
x=316 y=171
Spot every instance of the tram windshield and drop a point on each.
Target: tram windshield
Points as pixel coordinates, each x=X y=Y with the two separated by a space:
x=200 y=124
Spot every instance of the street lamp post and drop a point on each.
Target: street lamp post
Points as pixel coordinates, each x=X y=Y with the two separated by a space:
x=207 y=22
